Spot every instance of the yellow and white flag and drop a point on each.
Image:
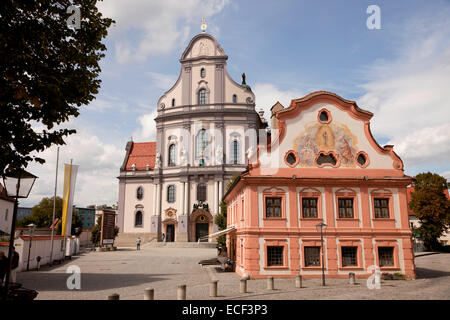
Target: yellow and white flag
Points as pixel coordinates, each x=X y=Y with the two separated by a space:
x=70 y=176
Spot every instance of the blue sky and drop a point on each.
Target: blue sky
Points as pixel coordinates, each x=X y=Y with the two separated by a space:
x=287 y=49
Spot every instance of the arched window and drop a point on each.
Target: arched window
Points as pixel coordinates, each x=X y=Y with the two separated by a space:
x=173 y=102
x=235 y=152
x=203 y=73
x=171 y=193
x=201 y=192
x=140 y=193
x=138 y=219
x=234 y=98
x=201 y=144
x=172 y=153
x=202 y=96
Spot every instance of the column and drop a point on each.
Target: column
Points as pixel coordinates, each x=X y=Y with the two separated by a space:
x=158 y=199
x=183 y=200
x=216 y=196
x=186 y=197
x=220 y=189
x=155 y=201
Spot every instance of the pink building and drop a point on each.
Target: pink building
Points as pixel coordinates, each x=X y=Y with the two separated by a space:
x=322 y=165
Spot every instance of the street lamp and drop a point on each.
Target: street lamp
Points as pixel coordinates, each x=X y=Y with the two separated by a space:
x=31 y=228
x=321 y=227
x=17 y=184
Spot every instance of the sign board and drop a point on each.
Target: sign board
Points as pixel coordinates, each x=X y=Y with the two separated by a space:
x=108 y=224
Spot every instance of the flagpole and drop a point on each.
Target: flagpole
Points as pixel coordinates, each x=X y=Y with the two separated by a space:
x=54 y=207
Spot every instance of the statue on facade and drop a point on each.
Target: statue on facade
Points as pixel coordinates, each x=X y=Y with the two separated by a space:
x=158 y=161
x=183 y=156
x=243 y=78
x=219 y=155
x=249 y=154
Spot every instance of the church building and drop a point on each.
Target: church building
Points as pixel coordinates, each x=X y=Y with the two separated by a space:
x=322 y=176
x=205 y=124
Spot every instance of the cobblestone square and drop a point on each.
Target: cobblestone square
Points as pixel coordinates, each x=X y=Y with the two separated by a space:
x=128 y=272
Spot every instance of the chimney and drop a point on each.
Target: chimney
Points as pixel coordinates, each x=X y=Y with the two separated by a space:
x=273 y=119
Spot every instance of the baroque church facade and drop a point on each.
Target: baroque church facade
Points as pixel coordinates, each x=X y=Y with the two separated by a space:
x=205 y=125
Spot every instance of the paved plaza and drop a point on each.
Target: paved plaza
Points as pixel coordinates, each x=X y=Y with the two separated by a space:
x=128 y=272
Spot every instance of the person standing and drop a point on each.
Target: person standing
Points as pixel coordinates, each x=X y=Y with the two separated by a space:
x=163 y=237
x=138 y=243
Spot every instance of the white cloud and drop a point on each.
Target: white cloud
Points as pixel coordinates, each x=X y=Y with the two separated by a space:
x=158 y=26
x=147 y=130
x=424 y=145
x=162 y=80
x=446 y=174
x=96 y=181
x=409 y=95
x=267 y=95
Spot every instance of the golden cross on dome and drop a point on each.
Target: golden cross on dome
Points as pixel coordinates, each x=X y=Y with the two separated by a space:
x=203 y=26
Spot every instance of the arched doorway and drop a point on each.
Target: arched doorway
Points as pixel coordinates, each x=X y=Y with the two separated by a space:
x=200 y=224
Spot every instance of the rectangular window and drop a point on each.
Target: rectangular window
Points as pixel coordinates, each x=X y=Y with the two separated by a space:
x=345 y=207
x=386 y=256
x=312 y=256
x=201 y=192
x=349 y=256
x=202 y=96
x=171 y=193
x=381 y=207
x=273 y=207
x=274 y=256
x=309 y=207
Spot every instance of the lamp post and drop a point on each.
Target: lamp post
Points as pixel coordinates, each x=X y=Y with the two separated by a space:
x=321 y=227
x=17 y=184
x=31 y=228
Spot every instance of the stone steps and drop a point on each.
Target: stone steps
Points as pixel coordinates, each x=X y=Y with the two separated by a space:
x=181 y=244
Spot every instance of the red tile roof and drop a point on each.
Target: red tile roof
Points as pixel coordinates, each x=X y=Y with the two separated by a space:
x=409 y=190
x=142 y=154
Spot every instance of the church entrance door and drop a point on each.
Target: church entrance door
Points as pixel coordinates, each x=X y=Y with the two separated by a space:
x=170 y=230
x=201 y=230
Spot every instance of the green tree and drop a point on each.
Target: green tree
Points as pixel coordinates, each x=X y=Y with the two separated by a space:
x=47 y=72
x=221 y=222
x=42 y=214
x=232 y=180
x=97 y=230
x=432 y=208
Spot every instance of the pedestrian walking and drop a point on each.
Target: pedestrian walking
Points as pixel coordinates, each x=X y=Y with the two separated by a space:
x=163 y=237
x=138 y=243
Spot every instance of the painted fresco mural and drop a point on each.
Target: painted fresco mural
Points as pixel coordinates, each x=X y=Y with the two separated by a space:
x=333 y=137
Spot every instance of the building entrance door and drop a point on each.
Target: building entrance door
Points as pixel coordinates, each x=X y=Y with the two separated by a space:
x=170 y=230
x=201 y=230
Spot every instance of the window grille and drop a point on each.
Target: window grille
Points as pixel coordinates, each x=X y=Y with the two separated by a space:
x=345 y=207
x=381 y=207
x=171 y=193
x=202 y=96
x=349 y=256
x=386 y=256
x=309 y=207
x=274 y=256
x=273 y=207
x=312 y=256
x=171 y=155
x=201 y=192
